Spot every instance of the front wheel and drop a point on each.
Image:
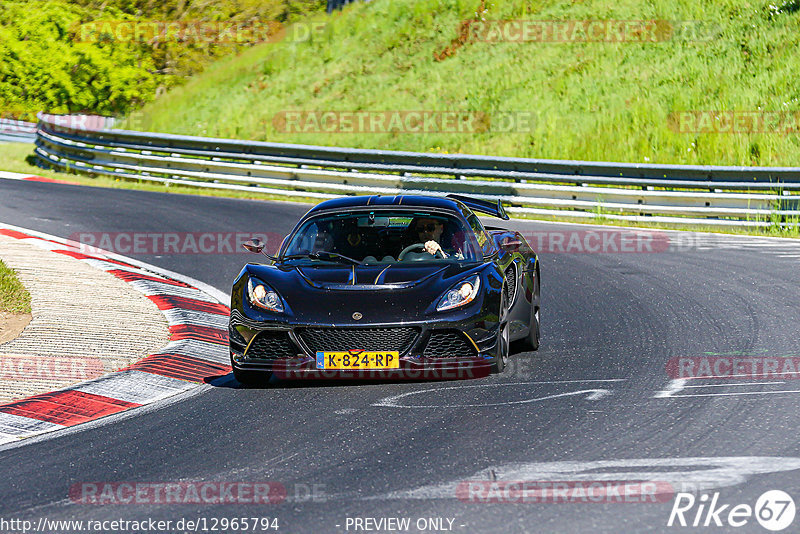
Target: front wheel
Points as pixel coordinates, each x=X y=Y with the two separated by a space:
x=533 y=336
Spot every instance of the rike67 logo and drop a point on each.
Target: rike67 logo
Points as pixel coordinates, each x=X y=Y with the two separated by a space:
x=774 y=510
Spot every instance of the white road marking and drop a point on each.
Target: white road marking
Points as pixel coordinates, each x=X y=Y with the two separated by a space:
x=734 y=394
x=770 y=244
x=558 y=382
x=46 y=245
x=591 y=394
x=677 y=385
x=744 y=375
x=14 y=175
x=728 y=385
x=674 y=386
x=285 y=457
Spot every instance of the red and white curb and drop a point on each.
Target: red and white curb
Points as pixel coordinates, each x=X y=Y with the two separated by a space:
x=31 y=178
x=197 y=351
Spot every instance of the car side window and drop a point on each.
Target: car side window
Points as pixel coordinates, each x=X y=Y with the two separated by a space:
x=480 y=234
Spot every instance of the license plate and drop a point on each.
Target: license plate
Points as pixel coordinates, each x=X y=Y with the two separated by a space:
x=365 y=359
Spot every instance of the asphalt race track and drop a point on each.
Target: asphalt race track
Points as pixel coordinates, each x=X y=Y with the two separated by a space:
x=595 y=403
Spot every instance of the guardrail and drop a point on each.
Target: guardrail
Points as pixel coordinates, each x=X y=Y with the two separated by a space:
x=681 y=194
x=17 y=131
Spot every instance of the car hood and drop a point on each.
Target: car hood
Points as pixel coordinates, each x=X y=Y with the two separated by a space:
x=331 y=293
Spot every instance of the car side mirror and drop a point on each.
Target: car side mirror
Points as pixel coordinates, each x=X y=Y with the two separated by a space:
x=254 y=245
x=510 y=244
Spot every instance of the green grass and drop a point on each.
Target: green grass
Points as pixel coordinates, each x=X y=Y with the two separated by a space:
x=16 y=157
x=591 y=101
x=14 y=298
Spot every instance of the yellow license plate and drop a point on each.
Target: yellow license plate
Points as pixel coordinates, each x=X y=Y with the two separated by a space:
x=364 y=359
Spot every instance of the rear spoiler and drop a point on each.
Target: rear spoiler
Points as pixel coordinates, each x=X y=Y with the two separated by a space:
x=483 y=206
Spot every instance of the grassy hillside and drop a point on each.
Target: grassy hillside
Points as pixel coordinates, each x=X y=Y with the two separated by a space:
x=590 y=100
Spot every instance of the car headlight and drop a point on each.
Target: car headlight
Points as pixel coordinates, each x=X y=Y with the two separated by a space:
x=460 y=294
x=263 y=296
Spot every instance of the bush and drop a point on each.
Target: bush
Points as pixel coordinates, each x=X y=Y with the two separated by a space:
x=45 y=66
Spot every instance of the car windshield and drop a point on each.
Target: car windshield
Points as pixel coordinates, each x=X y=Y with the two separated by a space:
x=376 y=237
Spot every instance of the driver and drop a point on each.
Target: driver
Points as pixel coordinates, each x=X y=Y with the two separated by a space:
x=429 y=231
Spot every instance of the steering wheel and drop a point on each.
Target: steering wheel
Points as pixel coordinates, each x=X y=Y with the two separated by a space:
x=415 y=246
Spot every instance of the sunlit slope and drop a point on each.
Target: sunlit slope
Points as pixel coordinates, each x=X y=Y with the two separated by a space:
x=589 y=100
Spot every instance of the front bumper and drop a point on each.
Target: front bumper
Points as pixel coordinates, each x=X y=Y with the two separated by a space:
x=438 y=351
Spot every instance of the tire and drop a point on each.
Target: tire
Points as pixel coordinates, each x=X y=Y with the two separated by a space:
x=503 y=347
x=251 y=378
x=531 y=341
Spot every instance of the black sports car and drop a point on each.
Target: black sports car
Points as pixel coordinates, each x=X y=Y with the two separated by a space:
x=386 y=287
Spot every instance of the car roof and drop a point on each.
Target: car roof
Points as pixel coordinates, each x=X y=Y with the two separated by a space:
x=422 y=201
